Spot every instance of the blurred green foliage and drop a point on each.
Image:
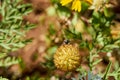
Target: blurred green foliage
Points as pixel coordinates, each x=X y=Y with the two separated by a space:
x=89 y=76
x=12 y=29
x=3 y=78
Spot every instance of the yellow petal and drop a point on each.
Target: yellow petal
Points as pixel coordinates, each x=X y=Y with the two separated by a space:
x=64 y=2
x=76 y=5
x=89 y=1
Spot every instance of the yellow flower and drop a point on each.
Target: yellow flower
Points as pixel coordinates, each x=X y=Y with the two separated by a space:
x=89 y=1
x=67 y=57
x=64 y=2
x=76 y=4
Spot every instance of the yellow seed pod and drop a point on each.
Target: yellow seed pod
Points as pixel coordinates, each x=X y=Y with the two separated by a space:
x=67 y=57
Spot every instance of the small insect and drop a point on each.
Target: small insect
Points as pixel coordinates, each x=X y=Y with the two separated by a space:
x=66 y=41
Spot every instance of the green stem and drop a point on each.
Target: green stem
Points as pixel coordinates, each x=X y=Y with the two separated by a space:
x=107 y=71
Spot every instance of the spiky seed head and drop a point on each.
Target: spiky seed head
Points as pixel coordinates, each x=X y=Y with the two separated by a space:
x=67 y=57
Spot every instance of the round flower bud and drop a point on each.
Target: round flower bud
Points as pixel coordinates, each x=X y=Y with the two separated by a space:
x=67 y=57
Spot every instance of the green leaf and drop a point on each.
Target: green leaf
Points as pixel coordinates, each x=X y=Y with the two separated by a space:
x=1 y=78
x=71 y=35
x=108 y=12
x=97 y=61
x=107 y=71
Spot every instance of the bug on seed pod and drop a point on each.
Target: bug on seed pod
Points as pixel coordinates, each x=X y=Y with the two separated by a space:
x=67 y=57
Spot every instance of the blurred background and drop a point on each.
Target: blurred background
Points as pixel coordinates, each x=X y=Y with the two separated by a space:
x=36 y=58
